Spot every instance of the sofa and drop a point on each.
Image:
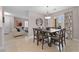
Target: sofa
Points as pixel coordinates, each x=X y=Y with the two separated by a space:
x=17 y=33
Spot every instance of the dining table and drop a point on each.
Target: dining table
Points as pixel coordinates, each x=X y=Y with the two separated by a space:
x=49 y=32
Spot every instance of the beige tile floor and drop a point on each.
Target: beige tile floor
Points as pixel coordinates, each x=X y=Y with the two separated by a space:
x=24 y=44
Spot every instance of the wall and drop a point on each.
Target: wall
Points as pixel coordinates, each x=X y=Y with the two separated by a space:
x=75 y=20
x=1 y=29
x=9 y=23
x=1 y=16
x=32 y=21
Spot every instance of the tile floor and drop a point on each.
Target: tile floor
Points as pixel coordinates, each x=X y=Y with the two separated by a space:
x=24 y=44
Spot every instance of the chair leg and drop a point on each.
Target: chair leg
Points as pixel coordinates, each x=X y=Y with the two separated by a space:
x=37 y=42
x=33 y=40
x=42 y=43
x=59 y=47
x=54 y=41
x=64 y=41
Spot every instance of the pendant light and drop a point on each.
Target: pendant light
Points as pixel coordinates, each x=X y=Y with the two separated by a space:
x=47 y=16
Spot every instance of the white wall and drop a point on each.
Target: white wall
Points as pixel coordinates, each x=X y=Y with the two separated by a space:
x=1 y=29
x=9 y=23
x=1 y=16
x=32 y=21
x=75 y=20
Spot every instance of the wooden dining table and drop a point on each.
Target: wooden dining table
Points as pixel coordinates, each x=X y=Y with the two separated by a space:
x=50 y=31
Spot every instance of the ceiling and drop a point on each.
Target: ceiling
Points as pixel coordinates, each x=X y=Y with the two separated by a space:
x=22 y=10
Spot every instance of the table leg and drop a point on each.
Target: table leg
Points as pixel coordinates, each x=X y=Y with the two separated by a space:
x=49 y=41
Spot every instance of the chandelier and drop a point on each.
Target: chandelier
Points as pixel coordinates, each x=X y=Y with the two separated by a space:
x=47 y=16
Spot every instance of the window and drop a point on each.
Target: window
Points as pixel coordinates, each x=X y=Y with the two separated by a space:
x=60 y=21
x=26 y=23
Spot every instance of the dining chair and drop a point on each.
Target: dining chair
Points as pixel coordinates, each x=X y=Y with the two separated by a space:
x=39 y=36
x=34 y=34
x=42 y=37
x=45 y=38
x=63 y=35
x=58 y=38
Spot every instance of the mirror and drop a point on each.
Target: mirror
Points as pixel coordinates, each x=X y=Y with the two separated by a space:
x=39 y=22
